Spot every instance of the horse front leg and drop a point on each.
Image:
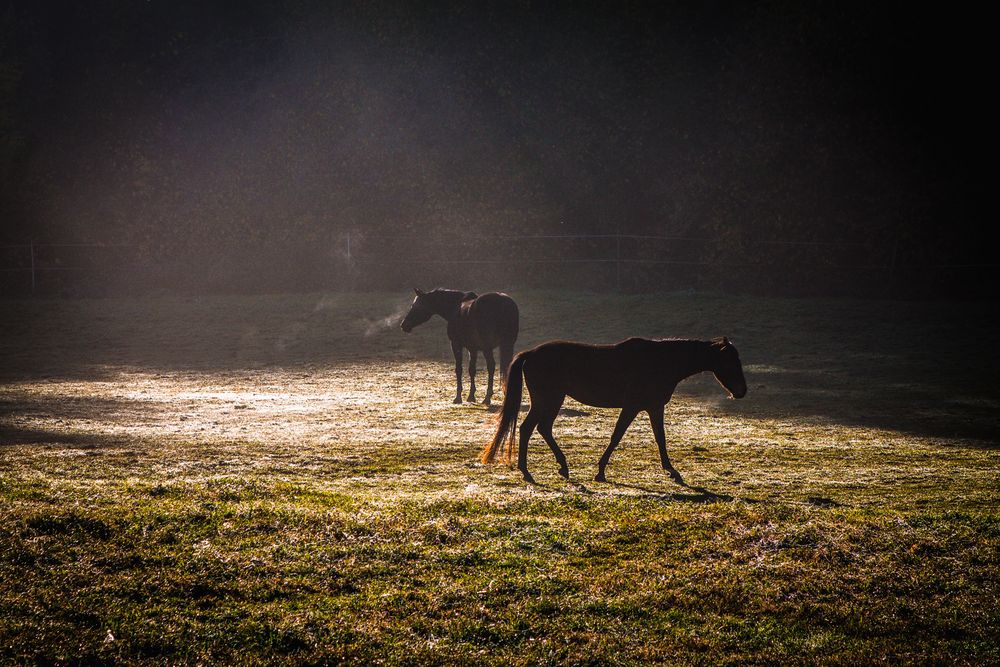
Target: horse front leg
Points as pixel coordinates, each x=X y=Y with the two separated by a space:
x=473 y=354
x=656 y=421
x=491 y=366
x=457 y=350
x=625 y=417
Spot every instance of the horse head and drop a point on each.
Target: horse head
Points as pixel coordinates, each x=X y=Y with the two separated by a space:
x=727 y=368
x=420 y=312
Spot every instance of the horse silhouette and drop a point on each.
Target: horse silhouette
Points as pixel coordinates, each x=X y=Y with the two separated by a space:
x=476 y=323
x=635 y=375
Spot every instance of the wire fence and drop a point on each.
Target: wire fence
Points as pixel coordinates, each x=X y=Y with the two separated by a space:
x=24 y=267
x=623 y=262
x=357 y=260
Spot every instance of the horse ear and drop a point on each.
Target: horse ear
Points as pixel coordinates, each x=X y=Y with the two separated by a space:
x=418 y=291
x=725 y=341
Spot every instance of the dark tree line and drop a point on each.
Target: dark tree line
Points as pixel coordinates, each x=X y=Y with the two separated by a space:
x=210 y=134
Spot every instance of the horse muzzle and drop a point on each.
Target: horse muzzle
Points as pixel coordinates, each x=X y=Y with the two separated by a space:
x=405 y=327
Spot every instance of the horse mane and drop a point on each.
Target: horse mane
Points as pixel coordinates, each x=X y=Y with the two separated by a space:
x=719 y=341
x=672 y=339
x=458 y=294
x=445 y=302
x=691 y=346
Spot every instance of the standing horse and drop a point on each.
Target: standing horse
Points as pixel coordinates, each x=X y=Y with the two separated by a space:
x=476 y=323
x=635 y=375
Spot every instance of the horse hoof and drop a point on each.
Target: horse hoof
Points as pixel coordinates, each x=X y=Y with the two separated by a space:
x=564 y=473
x=527 y=477
x=458 y=400
x=599 y=477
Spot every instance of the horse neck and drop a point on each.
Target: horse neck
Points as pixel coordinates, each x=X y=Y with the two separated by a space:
x=689 y=357
x=446 y=303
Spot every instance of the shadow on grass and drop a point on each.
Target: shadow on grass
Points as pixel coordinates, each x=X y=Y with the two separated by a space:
x=76 y=407
x=69 y=410
x=940 y=407
x=11 y=436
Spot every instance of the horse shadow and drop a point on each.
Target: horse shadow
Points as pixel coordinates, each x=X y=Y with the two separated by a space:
x=697 y=495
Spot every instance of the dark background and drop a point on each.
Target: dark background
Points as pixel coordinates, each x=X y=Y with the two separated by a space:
x=801 y=147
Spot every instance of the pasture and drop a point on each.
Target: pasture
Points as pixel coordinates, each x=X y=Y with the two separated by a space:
x=283 y=479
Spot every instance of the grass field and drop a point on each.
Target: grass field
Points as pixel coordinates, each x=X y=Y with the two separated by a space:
x=284 y=479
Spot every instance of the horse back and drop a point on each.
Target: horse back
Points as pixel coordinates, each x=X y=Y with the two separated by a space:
x=598 y=375
x=490 y=320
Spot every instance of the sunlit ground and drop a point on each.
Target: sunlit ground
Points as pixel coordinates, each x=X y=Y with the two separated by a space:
x=285 y=479
x=389 y=429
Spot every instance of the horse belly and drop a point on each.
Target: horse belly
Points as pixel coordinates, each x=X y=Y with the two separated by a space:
x=597 y=399
x=591 y=386
x=484 y=340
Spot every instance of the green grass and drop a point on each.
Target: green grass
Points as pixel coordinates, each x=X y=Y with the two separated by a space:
x=283 y=479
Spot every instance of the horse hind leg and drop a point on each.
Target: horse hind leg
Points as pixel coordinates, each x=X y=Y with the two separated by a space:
x=527 y=426
x=545 y=402
x=473 y=357
x=491 y=366
x=545 y=428
x=457 y=351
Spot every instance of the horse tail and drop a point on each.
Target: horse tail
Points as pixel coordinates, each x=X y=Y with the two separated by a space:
x=508 y=327
x=507 y=418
